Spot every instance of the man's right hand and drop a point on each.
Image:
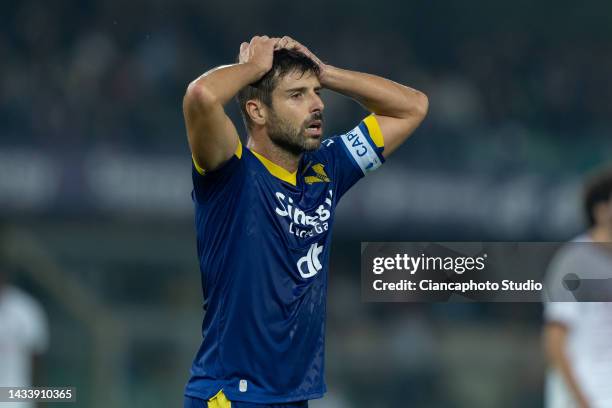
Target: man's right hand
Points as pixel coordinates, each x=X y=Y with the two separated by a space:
x=259 y=52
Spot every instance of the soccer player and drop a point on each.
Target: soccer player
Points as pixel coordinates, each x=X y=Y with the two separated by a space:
x=264 y=213
x=578 y=335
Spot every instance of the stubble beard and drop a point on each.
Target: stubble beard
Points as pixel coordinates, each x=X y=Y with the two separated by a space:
x=291 y=138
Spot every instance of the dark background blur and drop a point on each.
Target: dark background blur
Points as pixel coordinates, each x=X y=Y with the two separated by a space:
x=95 y=180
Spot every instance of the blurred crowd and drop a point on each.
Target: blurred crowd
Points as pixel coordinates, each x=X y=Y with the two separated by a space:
x=510 y=87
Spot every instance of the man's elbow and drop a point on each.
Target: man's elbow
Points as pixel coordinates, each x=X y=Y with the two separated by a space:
x=200 y=95
x=419 y=104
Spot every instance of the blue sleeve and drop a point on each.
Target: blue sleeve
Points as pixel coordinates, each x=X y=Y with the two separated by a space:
x=354 y=154
x=222 y=181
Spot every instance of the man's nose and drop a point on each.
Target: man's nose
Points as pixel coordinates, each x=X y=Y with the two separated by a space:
x=318 y=104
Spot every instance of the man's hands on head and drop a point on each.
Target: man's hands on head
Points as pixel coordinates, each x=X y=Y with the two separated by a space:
x=399 y=109
x=213 y=138
x=259 y=52
x=291 y=44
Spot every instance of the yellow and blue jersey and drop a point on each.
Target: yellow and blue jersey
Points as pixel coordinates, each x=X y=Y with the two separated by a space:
x=263 y=241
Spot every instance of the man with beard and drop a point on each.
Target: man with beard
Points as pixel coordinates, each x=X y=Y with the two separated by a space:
x=264 y=213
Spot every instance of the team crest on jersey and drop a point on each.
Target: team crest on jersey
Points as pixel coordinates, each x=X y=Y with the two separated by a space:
x=319 y=175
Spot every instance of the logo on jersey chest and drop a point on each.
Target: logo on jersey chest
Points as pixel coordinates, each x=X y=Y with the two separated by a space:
x=309 y=265
x=302 y=224
x=305 y=224
x=319 y=175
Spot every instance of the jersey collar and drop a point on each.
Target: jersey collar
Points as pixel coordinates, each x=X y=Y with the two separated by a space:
x=276 y=170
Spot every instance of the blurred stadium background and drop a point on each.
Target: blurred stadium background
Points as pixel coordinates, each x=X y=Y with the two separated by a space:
x=95 y=180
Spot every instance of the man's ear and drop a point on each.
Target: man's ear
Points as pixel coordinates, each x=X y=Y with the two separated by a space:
x=256 y=111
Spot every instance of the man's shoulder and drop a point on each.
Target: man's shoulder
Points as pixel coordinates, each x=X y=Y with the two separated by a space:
x=576 y=247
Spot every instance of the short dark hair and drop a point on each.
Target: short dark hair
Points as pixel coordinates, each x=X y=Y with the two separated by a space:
x=598 y=189
x=285 y=61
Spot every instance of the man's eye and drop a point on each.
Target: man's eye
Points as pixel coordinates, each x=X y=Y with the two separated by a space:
x=296 y=95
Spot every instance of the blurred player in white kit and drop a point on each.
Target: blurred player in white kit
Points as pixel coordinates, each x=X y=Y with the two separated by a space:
x=578 y=335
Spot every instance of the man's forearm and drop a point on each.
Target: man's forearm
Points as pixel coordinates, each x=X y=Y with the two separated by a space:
x=221 y=84
x=562 y=364
x=378 y=95
x=555 y=340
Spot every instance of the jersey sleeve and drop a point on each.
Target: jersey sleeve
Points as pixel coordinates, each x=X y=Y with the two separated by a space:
x=566 y=313
x=355 y=153
x=209 y=184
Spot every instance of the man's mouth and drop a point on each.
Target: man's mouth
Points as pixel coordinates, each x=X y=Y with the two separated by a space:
x=315 y=128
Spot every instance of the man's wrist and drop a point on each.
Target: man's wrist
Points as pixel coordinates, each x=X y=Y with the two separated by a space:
x=333 y=77
x=326 y=74
x=255 y=71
